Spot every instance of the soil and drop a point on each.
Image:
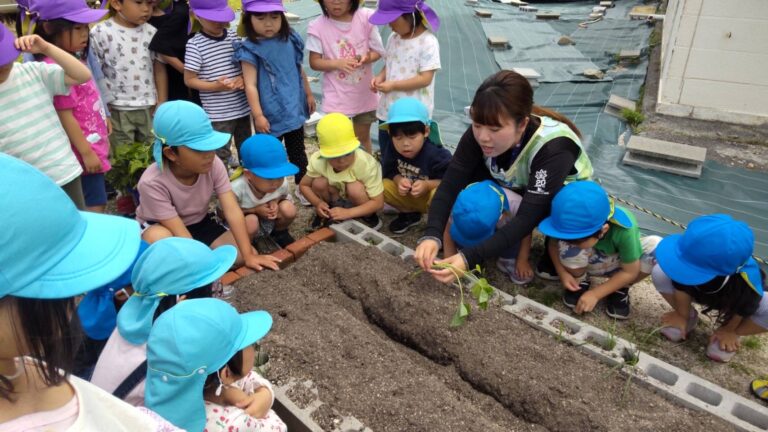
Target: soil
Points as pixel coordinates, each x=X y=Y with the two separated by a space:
x=374 y=339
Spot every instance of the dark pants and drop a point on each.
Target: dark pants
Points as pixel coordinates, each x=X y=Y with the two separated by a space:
x=294 y=146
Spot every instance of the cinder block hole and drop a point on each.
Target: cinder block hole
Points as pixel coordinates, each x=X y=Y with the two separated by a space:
x=393 y=249
x=750 y=416
x=353 y=229
x=533 y=312
x=630 y=356
x=704 y=394
x=605 y=342
x=372 y=239
x=565 y=326
x=661 y=374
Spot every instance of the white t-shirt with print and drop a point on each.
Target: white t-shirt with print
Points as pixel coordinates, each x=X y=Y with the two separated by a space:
x=248 y=200
x=405 y=58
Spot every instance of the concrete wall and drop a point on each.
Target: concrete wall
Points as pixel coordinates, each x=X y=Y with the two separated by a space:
x=714 y=61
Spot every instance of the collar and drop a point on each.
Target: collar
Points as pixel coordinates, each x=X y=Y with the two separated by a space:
x=215 y=38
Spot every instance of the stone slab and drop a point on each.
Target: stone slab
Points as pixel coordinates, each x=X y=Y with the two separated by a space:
x=311 y=124
x=667 y=150
x=665 y=165
x=291 y=17
x=526 y=8
x=483 y=13
x=642 y=12
x=595 y=16
x=607 y=4
x=627 y=54
x=518 y=3
x=618 y=102
x=548 y=15
x=498 y=42
x=528 y=73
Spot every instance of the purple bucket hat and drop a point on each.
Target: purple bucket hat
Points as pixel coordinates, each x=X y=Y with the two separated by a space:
x=8 y=51
x=73 y=10
x=212 y=10
x=263 y=6
x=390 y=10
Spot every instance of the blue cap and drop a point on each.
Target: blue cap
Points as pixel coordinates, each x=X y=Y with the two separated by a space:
x=406 y=110
x=713 y=245
x=183 y=123
x=579 y=210
x=265 y=156
x=189 y=342
x=49 y=248
x=476 y=212
x=171 y=266
x=96 y=310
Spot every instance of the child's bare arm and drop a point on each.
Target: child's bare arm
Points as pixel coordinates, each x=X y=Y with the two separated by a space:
x=75 y=72
x=176 y=226
x=77 y=138
x=369 y=207
x=626 y=275
x=250 y=80
x=236 y=221
x=421 y=80
x=175 y=62
x=161 y=81
x=523 y=265
x=321 y=207
x=319 y=63
x=191 y=80
x=308 y=91
x=568 y=281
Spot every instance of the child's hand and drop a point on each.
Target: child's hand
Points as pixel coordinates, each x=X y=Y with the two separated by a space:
x=262 y=211
x=673 y=319
x=109 y=126
x=375 y=82
x=237 y=83
x=386 y=86
x=257 y=404
x=569 y=282
x=260 y=123
x=727 y=339
x=419 y=188
x=33 y=44
x=259 y=262
x=523 y=270
x=587 y=302
x=339 y=214
x=91 y=162
x=323 y=210
x=311 y=103
x=347 y=65
x=404 y=186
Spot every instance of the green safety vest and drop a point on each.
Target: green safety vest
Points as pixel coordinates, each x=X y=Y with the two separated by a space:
x=516 y=177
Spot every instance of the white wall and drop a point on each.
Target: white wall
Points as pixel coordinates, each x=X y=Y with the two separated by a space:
x=714 y=62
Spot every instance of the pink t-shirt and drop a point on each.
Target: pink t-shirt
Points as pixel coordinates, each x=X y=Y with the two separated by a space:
x=117 y=361
x=57 y=420
x=86 y=106
x=162 y=197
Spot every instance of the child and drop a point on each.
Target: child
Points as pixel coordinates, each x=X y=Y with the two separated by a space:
x=411 y=60
x=711 y=264
x=262 y=190
x=171 y=19
x=171 y=270
x=136 y=78
x=208 y=67
x=340 y=170
x=344 y=45
x=176 y=190
x=65 y=253
x=481 y=209
x=65 y=24
x=591 y=236
x=30 y=129
x=275 y=83
x=413 y=171
x=196 y=352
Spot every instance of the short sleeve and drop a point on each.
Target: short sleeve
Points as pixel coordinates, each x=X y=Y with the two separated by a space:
x=156 y=203
x=220 y=177
x=313 y=167
x=628 y=244
x=52 y=76
x=66 y=102
x=314 y=44
x=192 y=60
x=430 y=56
x=239 y=186
x=375 y=42
x=371 y=176
x=243 y=54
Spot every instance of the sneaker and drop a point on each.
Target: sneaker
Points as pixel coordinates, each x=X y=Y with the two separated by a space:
x=715 y=353
x=283 y=238
x=319 y=222
x=403 y=222
x=674 y=334
x=302 y=200
x=570 y=298
x=372 y=221
x=545 y=269
x=508 y=266
x=617 y=304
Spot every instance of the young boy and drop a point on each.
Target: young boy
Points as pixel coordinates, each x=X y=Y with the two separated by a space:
x=413 y=172
x=262 y=190
x=342 y=175
x=137 y=79
x=591 y=236
x=30 y=129
x=208 y=67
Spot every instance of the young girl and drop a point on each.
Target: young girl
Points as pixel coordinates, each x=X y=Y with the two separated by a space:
x=711 y=263
x=66 y=253
x=65 y=24
x=344 y=45
x=195 y=354
x=169 y=271
x=171 y=19
x=480 y=209
x=275 y=83
x=176 y=190
x=412 y=58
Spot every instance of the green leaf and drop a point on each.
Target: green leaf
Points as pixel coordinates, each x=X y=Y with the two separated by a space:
x=457 y=319
x=482 y=300
x=464 y=309
x=477 y=290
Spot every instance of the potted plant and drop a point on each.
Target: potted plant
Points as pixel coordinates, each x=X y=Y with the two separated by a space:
x=128 y=164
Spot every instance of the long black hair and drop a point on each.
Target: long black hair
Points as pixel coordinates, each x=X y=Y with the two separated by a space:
x=725 y=298
x=54 y=28
x=235 y=364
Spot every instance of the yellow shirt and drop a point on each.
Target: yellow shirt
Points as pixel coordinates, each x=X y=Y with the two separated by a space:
x=365 y=169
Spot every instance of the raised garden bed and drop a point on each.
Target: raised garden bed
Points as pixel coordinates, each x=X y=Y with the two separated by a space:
x=375 y=341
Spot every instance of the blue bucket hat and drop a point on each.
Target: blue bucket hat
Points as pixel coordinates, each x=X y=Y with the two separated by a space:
x=171 y=266
x=579 y=210
x=405 y=110
x=713 y=245
x=183 y=123
x=50 y=249
x=192 y=340
x=96 y=310
x=476 y=212
x=265 y=156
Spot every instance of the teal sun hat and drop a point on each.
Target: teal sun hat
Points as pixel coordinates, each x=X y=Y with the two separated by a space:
x=192 y=340
x=406 y=110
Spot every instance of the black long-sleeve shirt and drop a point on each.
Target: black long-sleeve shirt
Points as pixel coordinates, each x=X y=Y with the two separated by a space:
x=554 y=162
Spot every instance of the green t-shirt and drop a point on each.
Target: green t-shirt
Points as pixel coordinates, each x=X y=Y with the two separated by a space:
x=624 y=241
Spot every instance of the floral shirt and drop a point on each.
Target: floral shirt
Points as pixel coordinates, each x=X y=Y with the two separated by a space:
x=232 y=419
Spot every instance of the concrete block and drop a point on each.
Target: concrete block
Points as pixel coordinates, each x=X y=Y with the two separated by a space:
x=471 y=2
x=498 y=42
x=548 y=15
x=594 y=74
x=628 y=54
x=565 y=40
x=527 y=8
x=517 y=3
x=667 y=150
x=299 y=419
x=665 y=165
x=352 y=230
x=530 y=74
x=617 y=103
x=642 y=12
x=323 y=234
x=483 y=13
x=285 y=256
x=229 y=278
x=292 y=18
x=595 y=16
x=607 y=4
x=300 y=247
x=599 y=9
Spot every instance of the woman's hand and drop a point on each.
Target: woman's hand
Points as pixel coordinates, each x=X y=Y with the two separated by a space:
x=455 y=268
x=425 y=254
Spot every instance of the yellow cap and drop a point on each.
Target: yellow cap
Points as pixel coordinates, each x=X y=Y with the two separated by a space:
x=336 y=136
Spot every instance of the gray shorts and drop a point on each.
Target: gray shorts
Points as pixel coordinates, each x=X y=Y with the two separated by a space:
x=364 y=118
x=599 y=264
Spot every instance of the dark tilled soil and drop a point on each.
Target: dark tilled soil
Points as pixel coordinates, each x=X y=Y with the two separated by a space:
x=375 y=341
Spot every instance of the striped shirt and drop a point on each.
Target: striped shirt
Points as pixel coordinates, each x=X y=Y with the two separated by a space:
x=211 y=58
x=30 y=129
